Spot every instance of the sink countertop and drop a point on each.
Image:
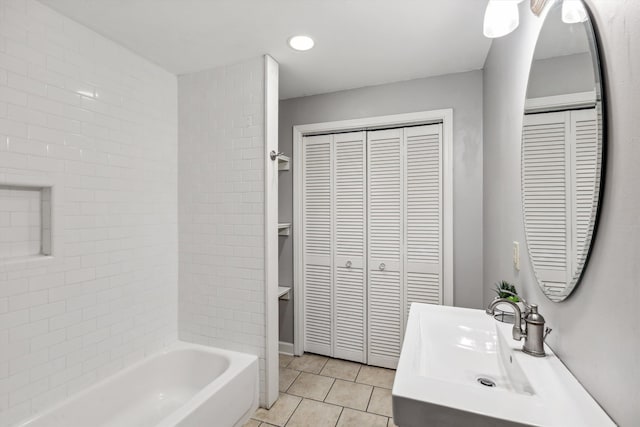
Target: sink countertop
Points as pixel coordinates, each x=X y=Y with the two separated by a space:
x=445 y=351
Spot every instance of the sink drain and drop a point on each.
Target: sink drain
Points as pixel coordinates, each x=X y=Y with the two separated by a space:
x=486 y=382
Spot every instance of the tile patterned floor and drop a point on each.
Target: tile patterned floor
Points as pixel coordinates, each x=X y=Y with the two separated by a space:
x=317 y=391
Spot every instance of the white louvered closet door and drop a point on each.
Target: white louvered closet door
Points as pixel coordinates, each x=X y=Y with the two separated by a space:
x=585 y=164
x=317 y=243
x=385 y=228
x=372 y=232
x=349 y=246
x=545 y=186
x=423 y=215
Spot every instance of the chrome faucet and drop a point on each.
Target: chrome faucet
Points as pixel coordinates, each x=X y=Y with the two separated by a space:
x=534 y=332
x=527 y=307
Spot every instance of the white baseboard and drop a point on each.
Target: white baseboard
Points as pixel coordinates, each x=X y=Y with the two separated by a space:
x=286 y=348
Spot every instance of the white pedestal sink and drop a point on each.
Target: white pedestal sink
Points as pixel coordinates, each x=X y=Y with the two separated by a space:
x=460 y=367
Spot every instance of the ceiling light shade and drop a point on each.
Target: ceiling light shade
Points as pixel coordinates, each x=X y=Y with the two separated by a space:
x=301 y=43
x=573 y=11
x=500 y=18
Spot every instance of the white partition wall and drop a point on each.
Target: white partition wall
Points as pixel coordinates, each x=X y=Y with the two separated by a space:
x=226 y=276
x=271 y=94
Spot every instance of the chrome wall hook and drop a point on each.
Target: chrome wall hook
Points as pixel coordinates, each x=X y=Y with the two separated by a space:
x=274 y=154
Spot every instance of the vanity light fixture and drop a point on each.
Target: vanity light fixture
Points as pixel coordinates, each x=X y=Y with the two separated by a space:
x=537 y=6
x=500 y=18
x=301 y=43
x=573 y=12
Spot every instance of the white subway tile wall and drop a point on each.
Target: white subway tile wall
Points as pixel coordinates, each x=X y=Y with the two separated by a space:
x=20 y=222
x=99 y=124
x=221 y=208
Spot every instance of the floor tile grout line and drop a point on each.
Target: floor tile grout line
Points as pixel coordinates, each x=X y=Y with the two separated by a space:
x=294 y=380
x=366 y=413
x=358 y=373
x=369 y=401
x=339 y=415
x=334 y=380
x=292 y=412
x=330 y=388
x=289 y=363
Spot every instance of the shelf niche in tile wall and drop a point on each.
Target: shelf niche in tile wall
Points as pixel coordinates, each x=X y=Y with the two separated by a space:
x=25 y=222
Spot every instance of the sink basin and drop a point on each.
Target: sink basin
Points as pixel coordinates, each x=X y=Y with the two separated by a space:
x=461 y=367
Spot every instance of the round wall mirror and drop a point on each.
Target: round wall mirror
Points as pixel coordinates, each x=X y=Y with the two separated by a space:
x=562 y=148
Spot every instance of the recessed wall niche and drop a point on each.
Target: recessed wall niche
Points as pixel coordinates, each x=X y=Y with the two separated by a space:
x=25 y=221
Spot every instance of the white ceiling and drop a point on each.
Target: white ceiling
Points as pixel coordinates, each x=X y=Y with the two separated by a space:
x=358 y=42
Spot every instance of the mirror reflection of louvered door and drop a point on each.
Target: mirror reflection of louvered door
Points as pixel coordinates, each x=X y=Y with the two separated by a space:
x=586 y=164
x=560 y=172
x=545 y=182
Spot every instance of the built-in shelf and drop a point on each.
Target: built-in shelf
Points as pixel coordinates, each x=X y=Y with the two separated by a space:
x=284 y=228
x=284 y=292
x=25 y=220
x=283 y=162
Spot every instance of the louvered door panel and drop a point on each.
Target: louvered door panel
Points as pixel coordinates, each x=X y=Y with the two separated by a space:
x=349 y=309
x=350 y=230
x=385 y=318
x=586 y=178
x=425 y=288
x=385 y=182
x=372 y=231
x=545 y=182
x=317 y=246
x=423 y=215
x=385 y=196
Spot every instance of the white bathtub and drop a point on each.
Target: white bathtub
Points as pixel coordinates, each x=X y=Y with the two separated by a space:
x=185 y=385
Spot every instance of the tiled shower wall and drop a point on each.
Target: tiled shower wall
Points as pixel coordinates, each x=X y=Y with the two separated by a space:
x=221 y=208
x=20 y=222
x=99 y=124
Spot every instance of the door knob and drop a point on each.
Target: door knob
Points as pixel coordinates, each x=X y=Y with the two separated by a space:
x=382 y=266
x=348 y=264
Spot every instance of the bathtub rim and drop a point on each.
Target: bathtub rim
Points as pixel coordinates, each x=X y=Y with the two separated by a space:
x=237 y=363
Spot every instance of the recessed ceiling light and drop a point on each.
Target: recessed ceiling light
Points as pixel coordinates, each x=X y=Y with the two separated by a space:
x=301 y=43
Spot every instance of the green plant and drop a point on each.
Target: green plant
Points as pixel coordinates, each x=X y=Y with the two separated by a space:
x=506 y=290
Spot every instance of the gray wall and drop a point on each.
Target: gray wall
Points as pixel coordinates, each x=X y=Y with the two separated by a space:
x=463 y=93
x=561 y=75
x=596 y=331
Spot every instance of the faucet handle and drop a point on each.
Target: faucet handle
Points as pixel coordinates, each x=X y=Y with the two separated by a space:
x=547 y=331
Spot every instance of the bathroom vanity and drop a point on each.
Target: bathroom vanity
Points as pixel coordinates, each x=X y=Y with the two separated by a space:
x=460 y=367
